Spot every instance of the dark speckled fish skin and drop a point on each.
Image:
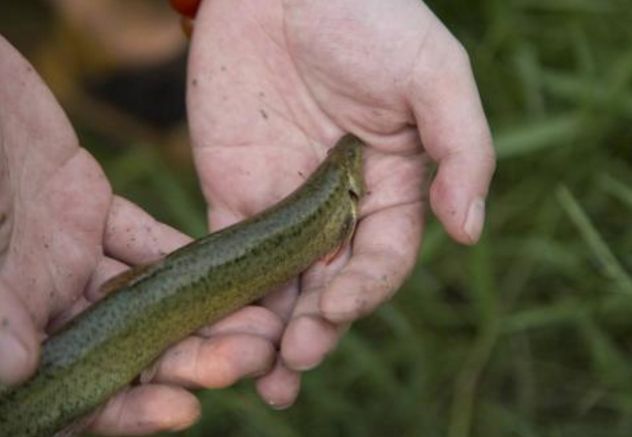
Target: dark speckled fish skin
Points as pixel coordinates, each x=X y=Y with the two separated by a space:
x=106 y=347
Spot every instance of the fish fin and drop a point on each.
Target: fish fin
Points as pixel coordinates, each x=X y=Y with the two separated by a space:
x=77 y=427
x=122 y=279
x=328 y=258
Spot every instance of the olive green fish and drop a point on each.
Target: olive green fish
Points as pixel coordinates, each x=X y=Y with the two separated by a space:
x=107 y=346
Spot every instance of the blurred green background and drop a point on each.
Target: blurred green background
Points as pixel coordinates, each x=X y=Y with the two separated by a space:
x=527 y=334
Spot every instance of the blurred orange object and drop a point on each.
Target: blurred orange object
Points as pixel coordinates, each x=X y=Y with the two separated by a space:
x=188 y=8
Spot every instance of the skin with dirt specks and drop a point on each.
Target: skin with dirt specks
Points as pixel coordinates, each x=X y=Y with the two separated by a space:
x=112 y=342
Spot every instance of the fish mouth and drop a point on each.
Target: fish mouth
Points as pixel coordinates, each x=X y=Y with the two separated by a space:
x=354 y=195
x=356 y=189
x=355 y=203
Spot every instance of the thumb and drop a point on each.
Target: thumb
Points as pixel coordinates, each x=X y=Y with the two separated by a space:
x=455 y=133
x=19 y=341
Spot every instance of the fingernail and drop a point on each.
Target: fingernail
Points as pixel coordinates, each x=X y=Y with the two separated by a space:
x=13 y=358
x=276 y=406
x=257 y=373
x=304 y=367
x=475 y=218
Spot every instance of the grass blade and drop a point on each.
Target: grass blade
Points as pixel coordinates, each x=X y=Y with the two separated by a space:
x=613 y=268
x=617 y=189
x=542 y=134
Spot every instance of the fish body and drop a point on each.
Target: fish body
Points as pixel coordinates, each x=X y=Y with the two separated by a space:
x=153 y=307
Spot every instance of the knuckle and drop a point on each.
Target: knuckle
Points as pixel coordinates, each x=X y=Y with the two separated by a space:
x=488 y=157
x=213 y=367
x=458 y=55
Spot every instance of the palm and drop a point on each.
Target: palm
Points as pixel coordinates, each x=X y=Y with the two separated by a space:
x=281 y=92
x=55 y=199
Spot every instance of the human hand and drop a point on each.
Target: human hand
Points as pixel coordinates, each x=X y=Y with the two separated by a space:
x=272 y=84
x=63 y=233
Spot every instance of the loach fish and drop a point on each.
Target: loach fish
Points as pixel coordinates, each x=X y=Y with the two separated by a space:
x=152 y=307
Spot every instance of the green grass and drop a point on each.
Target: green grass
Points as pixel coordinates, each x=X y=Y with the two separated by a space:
x=529 y=333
